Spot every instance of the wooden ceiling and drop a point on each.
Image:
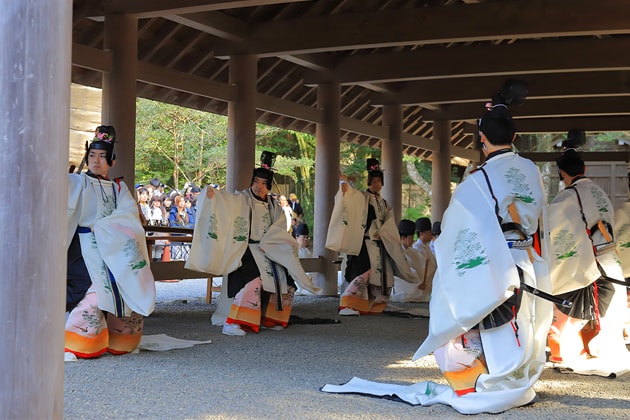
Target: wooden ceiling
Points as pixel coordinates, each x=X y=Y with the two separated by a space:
x=439 y=59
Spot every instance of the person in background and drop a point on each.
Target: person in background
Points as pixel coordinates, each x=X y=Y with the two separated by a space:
x=143 y=202
x=436 y=230
x=295 y=205
x=402 y=290
x=288 y=212
x=301 y=235
x=149 y=188
x=180 y=215
x=294 y=223
x=157 y=213
x=157 y=217
x=429 y=265
x=158 y=188
x=194 y=194
x=423 y=267
x=586 y=337
x=363 y=228
x=109 y=285
x=256 y=253
x=168 y=204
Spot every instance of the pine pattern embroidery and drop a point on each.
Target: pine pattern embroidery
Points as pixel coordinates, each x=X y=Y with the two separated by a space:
x=520 y=188
x=212 y=226
x=240 y=229
x=624 y=236
x=564 y=245
x=132 y=252
x=469 y=253
x=600 y=199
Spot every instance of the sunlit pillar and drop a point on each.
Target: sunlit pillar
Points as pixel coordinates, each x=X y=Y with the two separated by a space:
x=441 y=170
x=241 y=148
x=391 y=158
x=35 y=106
x=119 y=91
x=326 y=182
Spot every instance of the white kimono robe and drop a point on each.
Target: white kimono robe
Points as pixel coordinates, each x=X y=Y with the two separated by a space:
x=223 y=228
x=346 y=234
x=574 y=267
x=573 y=264
x=116 y=244
x=423 y=263
x=476 y=272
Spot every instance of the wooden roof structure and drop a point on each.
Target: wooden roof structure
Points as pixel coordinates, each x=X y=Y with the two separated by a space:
x=438 y=59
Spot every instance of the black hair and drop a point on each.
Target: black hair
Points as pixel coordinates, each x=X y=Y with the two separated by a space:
x=571 y=162
x=373 y=167
x=267 y=160
x=301 y=229
x=497 y=123
x=423 y=224
x=498 y=126
x=406 y=227
x=575 y=138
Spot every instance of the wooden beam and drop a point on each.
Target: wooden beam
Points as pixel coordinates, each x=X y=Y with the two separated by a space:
x=288 y=108
x=155 y=8
x=435 y=25
x=92 y=58
x=586 y=156
x=183 y=82
x=479 y=89
x=214 y=23
x=523 y=57
x=538 y=108
x=562 y=125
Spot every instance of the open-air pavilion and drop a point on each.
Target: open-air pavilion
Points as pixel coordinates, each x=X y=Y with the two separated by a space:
x=409 y=77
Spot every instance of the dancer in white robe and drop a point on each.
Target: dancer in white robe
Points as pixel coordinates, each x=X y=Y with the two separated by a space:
x=109 y=282
x=362 y=227
x=588 y=337
x=487 y=334
x=243 y=237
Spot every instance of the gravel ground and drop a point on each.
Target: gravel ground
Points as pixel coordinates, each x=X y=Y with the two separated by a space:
x=278 y=374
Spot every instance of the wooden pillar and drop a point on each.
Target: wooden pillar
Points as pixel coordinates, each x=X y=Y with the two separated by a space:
x=326 y=182
x=119 y=91
x=241 y=147
x=35 y=105
x=441 y=170
x=391 y=157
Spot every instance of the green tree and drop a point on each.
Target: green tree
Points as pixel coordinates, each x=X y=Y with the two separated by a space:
x=179 y=145
x=295 y=159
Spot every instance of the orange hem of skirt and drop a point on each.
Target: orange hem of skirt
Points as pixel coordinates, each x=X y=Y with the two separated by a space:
x=245 y=325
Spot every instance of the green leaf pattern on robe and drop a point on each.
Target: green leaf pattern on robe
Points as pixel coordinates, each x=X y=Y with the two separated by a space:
x=468 y=251
x=565 y=245
x=520 y=188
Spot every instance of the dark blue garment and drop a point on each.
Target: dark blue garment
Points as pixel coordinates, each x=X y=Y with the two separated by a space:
x=172 y=218
x=78 y=278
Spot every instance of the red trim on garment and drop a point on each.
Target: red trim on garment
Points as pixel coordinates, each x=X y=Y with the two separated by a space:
x=465 y=391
